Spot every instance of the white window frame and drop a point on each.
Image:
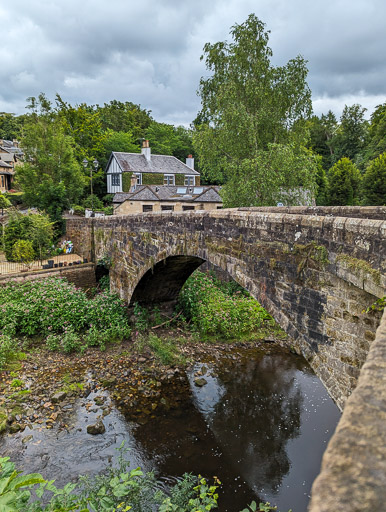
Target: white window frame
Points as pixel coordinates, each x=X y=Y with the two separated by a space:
x=187 y=179
x=139 y=177
x=167 y=179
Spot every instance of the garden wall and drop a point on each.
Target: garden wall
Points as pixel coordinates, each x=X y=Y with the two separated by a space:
x=82 y=276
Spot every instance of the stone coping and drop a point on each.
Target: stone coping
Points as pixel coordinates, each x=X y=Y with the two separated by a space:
x=353 y=473
x=39 y=274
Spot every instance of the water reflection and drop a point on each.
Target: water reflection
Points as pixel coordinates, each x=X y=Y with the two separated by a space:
x=260 y=424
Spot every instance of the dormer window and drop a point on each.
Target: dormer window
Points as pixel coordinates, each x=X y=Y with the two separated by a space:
x=139 y=177
x=189 y=180
x=168 y=179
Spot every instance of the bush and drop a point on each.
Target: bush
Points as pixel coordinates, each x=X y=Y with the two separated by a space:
x=93 y=201
x=344 y=180
x=79 y=210
x=23 y=252
x=213 y=310
x=55 y=307
x=6 y=350
x=34 y=227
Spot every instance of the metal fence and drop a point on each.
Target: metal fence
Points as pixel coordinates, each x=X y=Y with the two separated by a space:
x=62 y=260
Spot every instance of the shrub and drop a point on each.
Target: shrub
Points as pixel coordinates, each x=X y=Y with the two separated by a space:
x=92 y=201
x=79 y=210
x=23 y=252
x=6 y=350
x=57 y=309
x=215 y=311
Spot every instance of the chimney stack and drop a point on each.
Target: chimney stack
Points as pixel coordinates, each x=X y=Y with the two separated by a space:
x=146 y=150
x=190 y=161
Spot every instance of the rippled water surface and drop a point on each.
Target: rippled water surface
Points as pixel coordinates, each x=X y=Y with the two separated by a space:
x=260 y=424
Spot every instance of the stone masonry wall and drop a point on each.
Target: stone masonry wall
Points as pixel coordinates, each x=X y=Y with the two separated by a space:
x=83 y=276
x=353 y=473
x=316 y=275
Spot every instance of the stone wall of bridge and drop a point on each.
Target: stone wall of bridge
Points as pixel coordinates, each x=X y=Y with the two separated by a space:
x=315 y=274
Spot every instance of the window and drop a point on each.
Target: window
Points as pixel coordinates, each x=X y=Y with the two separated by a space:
x=147 y=207
x=168 y=179
x=185 y=208
x=167 y=207
x=2 y=181
x=115 y=180
x=189 y=181
x=139 y=178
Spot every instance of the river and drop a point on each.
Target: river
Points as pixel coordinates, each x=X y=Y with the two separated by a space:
x=260 y=423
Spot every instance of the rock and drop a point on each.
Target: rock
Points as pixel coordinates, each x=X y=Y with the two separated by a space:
x=58 y=397
x=15 y=427
x=200 y=382
x=96 y=428
x=99 y=400
x=26 y=439
x=142 y=359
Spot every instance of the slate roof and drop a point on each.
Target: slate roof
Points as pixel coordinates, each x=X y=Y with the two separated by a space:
x=163 y=164
x=6 y=168
x=210 y=194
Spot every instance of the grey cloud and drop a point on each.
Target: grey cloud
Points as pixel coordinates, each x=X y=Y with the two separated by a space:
x=148 y=52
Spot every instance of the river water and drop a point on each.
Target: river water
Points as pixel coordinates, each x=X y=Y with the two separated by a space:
x=260 y=424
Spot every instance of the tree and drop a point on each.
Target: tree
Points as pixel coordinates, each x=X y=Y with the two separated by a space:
x=344 y=182
x=322 y=132
x=350 y=138
x=322 y=185
x=11 y=125
x=252 y=116
x=35 y=228
x=50 y=166
x=377 y=132
x=23 y=252
x=374 y=182
x=124 y=117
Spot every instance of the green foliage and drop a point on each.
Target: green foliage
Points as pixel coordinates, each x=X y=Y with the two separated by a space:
x=350 y=136
x=214 y=311
x=378 y=305
x=252 y=133
x=4 y=202
x=35 y=228
x=7 y=350
x=141 y=317
x=22 y=251
x=49 y=160
x=92 y=201
x=55 y=308
x=11 y=126
x=13 y=486
x=374 y=182
x=122 y=141
x=124 y=117
x=165 y=139
x=344 y=180
x=79 y=210
x=377 y=132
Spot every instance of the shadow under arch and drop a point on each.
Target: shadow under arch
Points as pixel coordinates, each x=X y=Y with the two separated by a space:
x=163 y=282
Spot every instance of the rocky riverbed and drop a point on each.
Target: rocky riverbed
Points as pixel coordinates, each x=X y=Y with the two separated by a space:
x=43 y=389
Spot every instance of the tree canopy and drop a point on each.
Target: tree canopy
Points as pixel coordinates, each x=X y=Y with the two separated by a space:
x=252 y=134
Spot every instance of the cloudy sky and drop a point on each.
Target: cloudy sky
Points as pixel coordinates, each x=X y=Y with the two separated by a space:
x=148 y=52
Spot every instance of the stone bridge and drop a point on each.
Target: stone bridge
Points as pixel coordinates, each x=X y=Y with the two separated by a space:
x=316 y=270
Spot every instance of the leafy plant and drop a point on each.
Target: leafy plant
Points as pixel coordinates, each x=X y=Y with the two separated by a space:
x=22 y=251
x=55 y=308
x=141 y=317
x=218 y=308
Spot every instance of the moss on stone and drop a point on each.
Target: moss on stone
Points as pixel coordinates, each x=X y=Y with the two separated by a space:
x=359 y=267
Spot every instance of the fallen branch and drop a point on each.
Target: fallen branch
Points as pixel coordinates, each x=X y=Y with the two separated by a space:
x=167 y=321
